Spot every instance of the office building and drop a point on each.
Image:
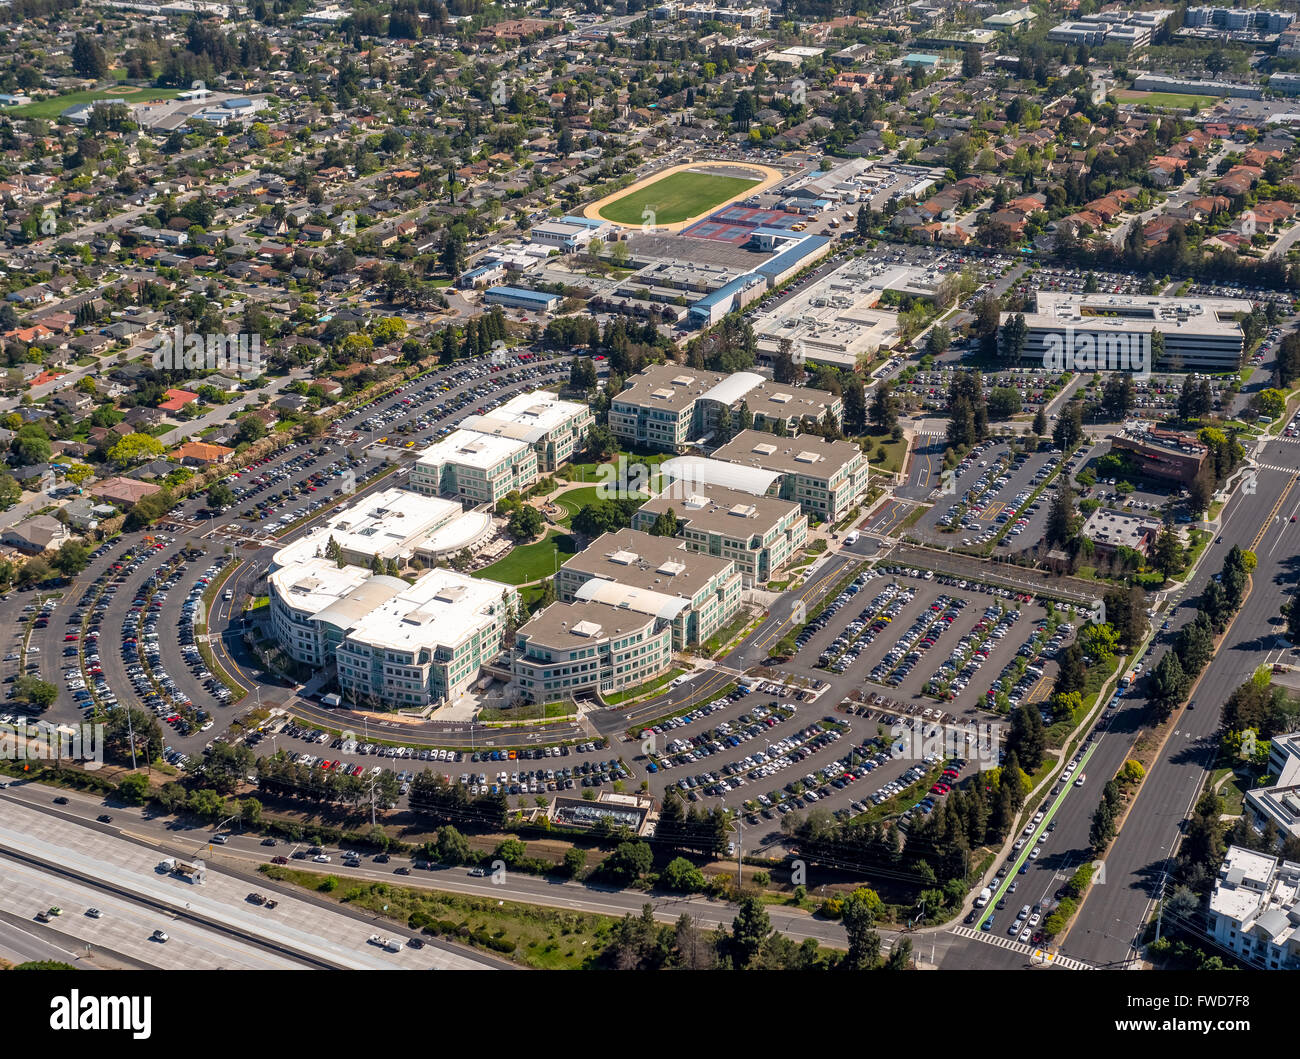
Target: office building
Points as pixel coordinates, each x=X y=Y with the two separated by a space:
x=555 y=429
x=390 y=642
x=760 y=534
x=1200 y=334
x=1110 y=531
x=826 y=478
x=670 y=407
x=519 y=298
x=482 y=468
x=695 y=594
x=1255 y=909
x=1280 y=801
x=572 y=650
x=1166 y=454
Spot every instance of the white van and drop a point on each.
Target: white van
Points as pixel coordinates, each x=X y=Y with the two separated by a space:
x=851 y=537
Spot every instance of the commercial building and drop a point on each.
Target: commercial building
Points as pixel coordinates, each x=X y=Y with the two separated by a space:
x=395 y=525
x=390 y=642
x=1200 y=334
x=1110 y=531
x=1165 y=454
x=1279 y=802
x=695 y=594
x=670 y=407
x=1012 y=20
x=1255 y=909
x=1133 y=29
x=1237 y=18
x=1194 y=86
x=760 y=534
x=555 y=429
x=483 y=468
x=519 y=298
x=824 y=477
x=581 y=649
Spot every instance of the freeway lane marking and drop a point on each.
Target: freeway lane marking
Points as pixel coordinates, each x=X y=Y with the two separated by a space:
x=1268 y=521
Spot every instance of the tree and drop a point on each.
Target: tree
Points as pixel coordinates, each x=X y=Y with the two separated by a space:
x=575 y=862
x=526 y=523
x=1040 y=421
x=683 y=876
x=71 y=558
x=30 y=448
x=628 y=862
x=135 y=448
x=133 y=788
x=1168 y=552
x=250 y=429
x=220 y=496
x=665 y=524
x=971 y=66
x=749 y=930
x=89 y=58
x=1068 y=432
x=1062 y=520
x=36 y=692
x=938 y=339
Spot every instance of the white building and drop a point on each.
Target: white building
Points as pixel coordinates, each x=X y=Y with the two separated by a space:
x=483 y=468
x=1255 y=909
x=1279 y=802
x=555 y=429
x=390 y=642
x=396 y=525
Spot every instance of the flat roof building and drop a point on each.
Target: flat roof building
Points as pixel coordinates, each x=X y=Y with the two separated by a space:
x=826 y=478
x=667 y=406
x=390 y=642
x=633 y=570
x=1110 y=531
x=1200 y=334
x=578 y=649
x=483 y=468
x=760 y=534
x=395 y=524
x=520 y=298
x=1254 y=910
x=555 y=429
x=1279 y=802
x=1167 y=454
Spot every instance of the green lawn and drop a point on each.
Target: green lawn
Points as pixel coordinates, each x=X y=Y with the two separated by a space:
x=894 y=453
x=677 y=197
x=575 y=500
x=1184 y=100
x=532 y=561
x=55 y=105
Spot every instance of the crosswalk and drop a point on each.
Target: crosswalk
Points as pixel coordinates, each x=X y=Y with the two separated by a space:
x=1274 y=467
x=1042 y=956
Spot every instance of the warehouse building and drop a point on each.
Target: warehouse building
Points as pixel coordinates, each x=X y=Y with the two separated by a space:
x=519 y=298
x=696 y=594
x=760 y=534
x=1110 y=531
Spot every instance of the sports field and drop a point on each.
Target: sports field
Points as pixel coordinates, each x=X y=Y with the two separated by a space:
x=676 y=198
x=53 y=106
x=1181 y=100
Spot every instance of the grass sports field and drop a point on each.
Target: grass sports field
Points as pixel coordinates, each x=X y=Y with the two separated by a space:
x=1182 y=100
x=55 y=105
x=677 y=197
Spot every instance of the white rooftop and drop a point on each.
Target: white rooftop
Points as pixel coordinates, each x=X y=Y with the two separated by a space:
x=443 y=608
x=386 y=524
x=314 y=584
x=526 y=417
x=468 y=448
x=687 y=472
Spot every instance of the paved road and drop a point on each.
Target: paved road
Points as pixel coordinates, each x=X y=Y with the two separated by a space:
x=1112 y=917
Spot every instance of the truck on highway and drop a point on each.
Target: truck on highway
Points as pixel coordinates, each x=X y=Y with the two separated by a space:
x=390 y=944
x=986 y=895
x=1127 y=679
x=190 y=871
